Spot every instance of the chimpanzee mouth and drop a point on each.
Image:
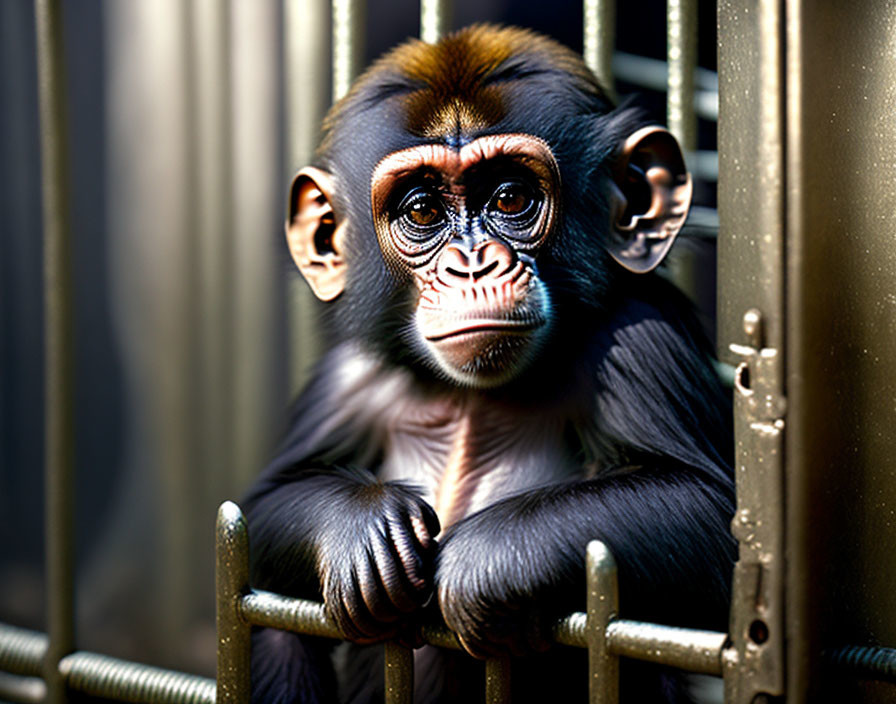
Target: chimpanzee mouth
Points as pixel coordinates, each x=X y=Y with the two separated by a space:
x=473 y=328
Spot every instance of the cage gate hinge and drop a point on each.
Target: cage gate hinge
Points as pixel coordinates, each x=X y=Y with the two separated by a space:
x=754 y=663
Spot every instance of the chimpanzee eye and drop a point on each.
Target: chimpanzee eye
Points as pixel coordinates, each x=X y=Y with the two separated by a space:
x=422 y=209
x=512 y=199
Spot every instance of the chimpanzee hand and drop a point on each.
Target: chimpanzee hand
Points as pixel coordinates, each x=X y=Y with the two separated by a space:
x=375 y=555
x=505 y=574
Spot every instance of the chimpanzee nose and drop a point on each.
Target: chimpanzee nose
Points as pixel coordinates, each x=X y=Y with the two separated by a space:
x=459 y=264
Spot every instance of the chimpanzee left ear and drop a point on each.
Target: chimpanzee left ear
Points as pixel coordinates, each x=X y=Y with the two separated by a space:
x=651 y=195
x=314 y=234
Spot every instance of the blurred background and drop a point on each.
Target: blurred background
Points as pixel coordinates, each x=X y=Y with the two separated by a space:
x=192 y=331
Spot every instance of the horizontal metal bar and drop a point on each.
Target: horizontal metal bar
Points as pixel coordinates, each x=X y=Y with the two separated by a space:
x=688 y=649
x=261 y=608
x=653 y=74
x=685 y=648
x=22 y=690
x=22 y=651
x=571 y=630
x=440 y=636
x=865 y=662
x=102 y=676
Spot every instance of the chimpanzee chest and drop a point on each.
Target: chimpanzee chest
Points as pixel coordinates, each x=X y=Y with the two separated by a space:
x=466 y=455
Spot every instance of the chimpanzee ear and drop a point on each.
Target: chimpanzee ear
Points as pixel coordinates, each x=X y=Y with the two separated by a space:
x=315 y=238
x=651 y=195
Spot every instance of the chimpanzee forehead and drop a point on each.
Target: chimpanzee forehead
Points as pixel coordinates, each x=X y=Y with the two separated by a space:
x=453 y=161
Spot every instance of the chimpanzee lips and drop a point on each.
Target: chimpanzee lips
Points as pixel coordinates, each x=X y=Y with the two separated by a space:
x=463 y=328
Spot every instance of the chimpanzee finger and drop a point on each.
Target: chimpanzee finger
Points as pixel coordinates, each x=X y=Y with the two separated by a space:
x=361 y=626
x=373 y=590
x=425 y=523
x=402 y=568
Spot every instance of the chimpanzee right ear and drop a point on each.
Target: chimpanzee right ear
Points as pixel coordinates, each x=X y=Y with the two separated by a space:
x=315 y=238
x=650 y=197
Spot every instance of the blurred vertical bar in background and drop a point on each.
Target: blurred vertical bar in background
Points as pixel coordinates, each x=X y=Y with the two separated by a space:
x=152 y=269
x=348 y=44
x=681 y=47
x=599 y=40
x=59 y=376
x=214 y=410
x=435 y=19
x=256 y=45
x=307 y=84
x=210 y=121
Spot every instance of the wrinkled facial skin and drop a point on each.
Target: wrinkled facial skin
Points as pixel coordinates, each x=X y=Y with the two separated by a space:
x=465 y=226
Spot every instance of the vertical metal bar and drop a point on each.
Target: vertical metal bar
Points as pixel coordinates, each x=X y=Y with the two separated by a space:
x=435 y=18
x=599 y=39
x=59 y=379
x=348 y=44
x=399 y=674
x=752 y=246
x=258 y=187
x=215 y=259
x=306 y=43
x=681 y=46
x=603 y=603
x=231 y=583
x=497 y=681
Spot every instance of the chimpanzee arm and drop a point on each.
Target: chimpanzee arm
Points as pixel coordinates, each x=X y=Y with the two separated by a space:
x=507 y=573
x=365 y=545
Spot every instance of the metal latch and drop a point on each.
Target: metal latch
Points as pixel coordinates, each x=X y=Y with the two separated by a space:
x=754 y=663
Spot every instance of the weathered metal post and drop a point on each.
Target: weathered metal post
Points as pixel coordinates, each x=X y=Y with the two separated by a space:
x=231 y=584
x=602 y=606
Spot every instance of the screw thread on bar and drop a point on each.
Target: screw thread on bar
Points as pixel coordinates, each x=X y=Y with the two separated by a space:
x=873 y=663
x=110 y=678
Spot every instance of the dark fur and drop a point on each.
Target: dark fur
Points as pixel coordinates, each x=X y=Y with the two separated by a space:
x=627 y=371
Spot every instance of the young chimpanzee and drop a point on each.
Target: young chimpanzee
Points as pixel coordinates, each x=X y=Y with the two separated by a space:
x=505 y=379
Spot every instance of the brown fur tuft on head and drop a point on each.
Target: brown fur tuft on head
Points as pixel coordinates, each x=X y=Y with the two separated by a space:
x=455 y=85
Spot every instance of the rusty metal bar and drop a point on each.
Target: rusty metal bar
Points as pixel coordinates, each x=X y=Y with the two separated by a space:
x=681 y=47
x=348 y=44
x=399 y=673
x=602 y=605
x=59 y=373
x=111 y=678
x=497 y=681
x=435 y=18
x=599 y=39
x=231 y=583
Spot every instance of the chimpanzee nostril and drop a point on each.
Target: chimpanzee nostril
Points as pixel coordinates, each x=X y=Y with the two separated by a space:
x=486 y=270
x=455 y=272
